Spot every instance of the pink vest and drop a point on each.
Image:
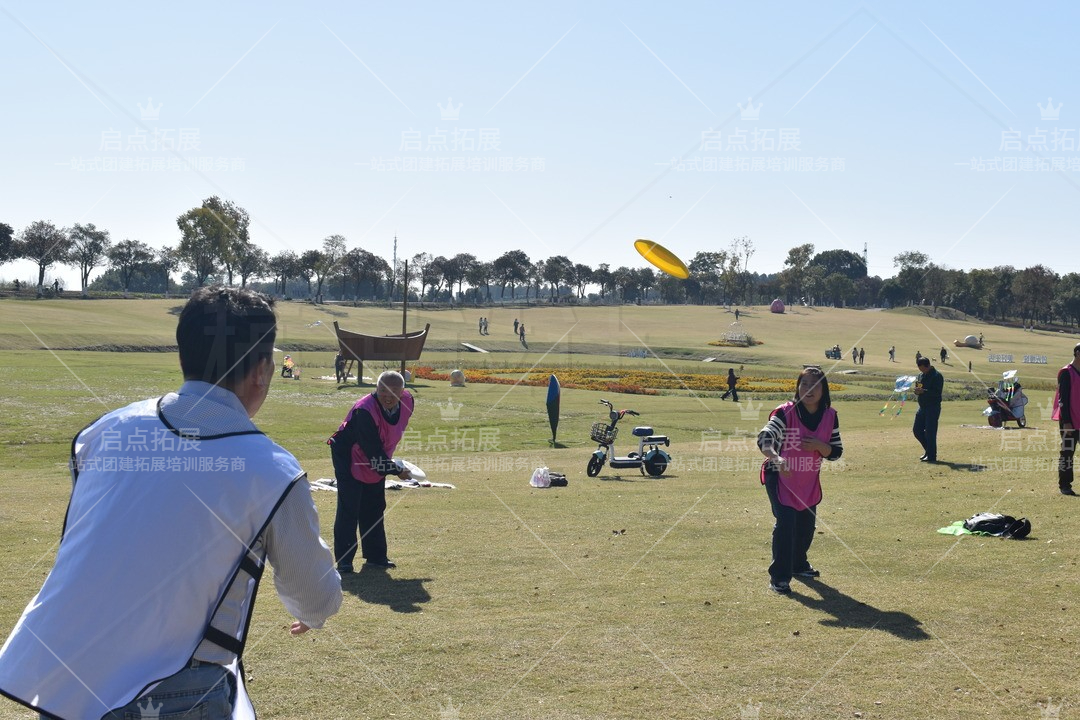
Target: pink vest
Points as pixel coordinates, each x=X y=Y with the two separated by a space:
x=1074 y=397
x=389 y=434
x=801 y=488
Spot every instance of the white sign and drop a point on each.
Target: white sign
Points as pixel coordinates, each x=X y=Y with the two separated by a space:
x=999 y=358
x=1035 y=359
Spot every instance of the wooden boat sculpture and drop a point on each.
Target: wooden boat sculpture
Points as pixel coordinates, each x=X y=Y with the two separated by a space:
x=360 y=347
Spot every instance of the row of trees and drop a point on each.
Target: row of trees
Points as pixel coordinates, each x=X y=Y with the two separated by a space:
x=214 y=245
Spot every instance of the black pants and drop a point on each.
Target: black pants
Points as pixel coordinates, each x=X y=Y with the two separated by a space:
x=1065 y=459
x=734 y=395
x=792 y=533
x=360 y=506
x=925 y=430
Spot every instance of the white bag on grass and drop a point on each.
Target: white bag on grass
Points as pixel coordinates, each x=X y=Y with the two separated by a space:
x=540 y=478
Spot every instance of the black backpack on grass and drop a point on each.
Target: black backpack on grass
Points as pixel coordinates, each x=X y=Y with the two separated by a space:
x=998 y=525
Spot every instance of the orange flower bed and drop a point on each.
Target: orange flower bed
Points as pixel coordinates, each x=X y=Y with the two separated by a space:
x=633 y=382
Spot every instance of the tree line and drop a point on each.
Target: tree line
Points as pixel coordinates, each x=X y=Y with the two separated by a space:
x=214 y=246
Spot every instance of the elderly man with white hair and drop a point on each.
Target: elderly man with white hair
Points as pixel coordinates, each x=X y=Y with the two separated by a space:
x=362 y=450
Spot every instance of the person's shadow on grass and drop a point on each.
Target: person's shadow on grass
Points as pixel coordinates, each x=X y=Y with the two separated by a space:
x=851 y=613
x=377 y=586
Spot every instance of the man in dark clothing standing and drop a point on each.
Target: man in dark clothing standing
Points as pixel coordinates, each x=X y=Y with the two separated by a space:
x=929 y=385
x=1067 y=413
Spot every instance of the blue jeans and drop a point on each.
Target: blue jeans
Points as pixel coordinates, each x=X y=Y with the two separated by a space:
x=201 y=691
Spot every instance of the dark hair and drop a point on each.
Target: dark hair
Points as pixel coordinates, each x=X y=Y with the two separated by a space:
x=924 y=360
x=826 y=398
x=1076 y=349
x=224 y=333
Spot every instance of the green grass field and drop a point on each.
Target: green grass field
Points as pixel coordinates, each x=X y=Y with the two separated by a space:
x=618 y=596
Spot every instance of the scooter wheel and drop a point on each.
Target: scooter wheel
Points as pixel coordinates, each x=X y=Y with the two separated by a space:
x=595 y=465
x=1022 y=422
x=655 y=467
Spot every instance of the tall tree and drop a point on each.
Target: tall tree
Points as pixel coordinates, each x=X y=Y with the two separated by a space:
x=282 y=267
x=312 y=263
x=434 y=275
x=912 y=266
x=251 y=262
x=602 y=276
x=557 y=268
x=479 y=276
x=168 y=258
x=233 y=222
x=845 y=262
x=511 y=268
x=1033 y=289
x=126 y=257
x=7 y=243
x=203 y=239
x=45 y=244
x=417 y=269
x=798 y=259
x=706 y=270
x=89 y=249
x=461 y=264
x=583 y=275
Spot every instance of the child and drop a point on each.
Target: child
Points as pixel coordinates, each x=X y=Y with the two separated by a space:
x=798 y=435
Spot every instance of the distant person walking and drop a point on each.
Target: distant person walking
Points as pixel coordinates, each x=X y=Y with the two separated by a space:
x=521 y=333
x=918 y=356
x=1067 y=413
x=855 y=355
x=731 y=382
x=862 y=355
x=892 y=354
x=944 y=354
x=515 y=326
x=736 y=314
x=929 y=384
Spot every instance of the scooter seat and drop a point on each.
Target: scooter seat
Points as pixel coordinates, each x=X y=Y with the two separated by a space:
x=642 y=431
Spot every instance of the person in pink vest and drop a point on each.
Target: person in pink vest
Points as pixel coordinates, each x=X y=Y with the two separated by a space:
x=798 y=435
x=362 y=450
x=1067 y=413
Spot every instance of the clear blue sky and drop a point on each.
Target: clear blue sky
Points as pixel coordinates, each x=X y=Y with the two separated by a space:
x=286 y=107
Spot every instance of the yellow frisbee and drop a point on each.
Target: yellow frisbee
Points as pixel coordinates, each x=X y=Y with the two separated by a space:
x=662 y=258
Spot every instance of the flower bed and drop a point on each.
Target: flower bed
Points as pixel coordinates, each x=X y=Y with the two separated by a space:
x=633 y=382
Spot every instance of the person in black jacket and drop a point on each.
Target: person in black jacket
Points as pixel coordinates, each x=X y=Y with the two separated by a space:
x=928 y=387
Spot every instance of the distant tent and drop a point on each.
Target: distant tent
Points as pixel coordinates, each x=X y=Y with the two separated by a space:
x=777 y=306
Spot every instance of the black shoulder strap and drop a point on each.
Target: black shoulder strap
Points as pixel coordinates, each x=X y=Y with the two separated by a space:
x=253 y=568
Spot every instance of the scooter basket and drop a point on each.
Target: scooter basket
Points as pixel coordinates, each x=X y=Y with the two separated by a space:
x=601 y=433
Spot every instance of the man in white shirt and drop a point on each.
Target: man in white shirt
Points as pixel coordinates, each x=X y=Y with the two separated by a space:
x=177 y=504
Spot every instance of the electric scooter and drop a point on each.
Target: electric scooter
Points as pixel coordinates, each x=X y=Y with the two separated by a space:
x=654 y=461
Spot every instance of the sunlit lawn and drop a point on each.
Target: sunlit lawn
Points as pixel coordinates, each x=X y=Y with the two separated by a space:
x=619 y=596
